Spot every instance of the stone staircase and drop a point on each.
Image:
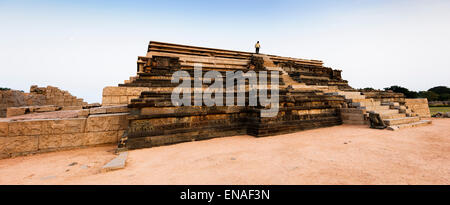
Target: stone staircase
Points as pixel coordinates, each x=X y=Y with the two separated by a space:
x=357 y=112
x=393 y=115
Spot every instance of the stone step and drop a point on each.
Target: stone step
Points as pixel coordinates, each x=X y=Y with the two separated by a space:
x=399 y=121
x=361 y=100
x=391 y=103
x=386 y=112
x=214 y=61
x=353 y=116
x=226 y=66
x=349 y=95
x=198 y=52
x=355 y=122
x=409 y=125
x=187 y=57
x=353 y=110
x=375 y=107
x=365 y=104
x=393 y=116
x=354 y=97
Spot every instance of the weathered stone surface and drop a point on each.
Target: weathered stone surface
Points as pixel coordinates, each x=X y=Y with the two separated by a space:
x=136 y=91
x=16 y=111
x=91 y=105
x=155 y=121
x=410 y=125
x=63 y=126
x=78 y=107
x=418 y=106
x=385 y=96
x=62 y=141
x=3 y=128
x=98 y=110
x=84 y=113
x=399 y=121
x=38 y=96
x=45 y=108
x=116 y=163
x=96 y=138
x=24 y=136
x=107 y=122
x=114 y=91
x=25 y=128
x=117 y=109
x=18 y=144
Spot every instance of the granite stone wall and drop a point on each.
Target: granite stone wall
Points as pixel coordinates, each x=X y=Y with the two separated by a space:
x=94 y=126
x=38 y=96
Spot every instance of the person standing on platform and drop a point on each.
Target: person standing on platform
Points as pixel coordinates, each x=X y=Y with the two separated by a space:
x=257 y=46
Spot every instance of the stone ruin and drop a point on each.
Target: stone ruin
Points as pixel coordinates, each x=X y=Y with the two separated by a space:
x=310 y=96
x=21 y=103
x=139 y=113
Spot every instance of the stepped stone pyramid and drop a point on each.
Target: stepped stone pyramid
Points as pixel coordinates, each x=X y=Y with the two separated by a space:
x=310 y=96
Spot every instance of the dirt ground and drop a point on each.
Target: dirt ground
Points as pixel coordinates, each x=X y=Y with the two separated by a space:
x=337 y=155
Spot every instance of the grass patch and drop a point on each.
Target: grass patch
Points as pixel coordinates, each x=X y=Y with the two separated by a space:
x=435 y=110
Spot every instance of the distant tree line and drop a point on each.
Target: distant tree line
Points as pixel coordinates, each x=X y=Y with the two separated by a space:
x=5 y=88
x=439 y=93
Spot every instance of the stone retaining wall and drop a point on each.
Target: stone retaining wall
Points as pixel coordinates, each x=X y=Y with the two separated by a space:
x=43 y=135
x=16 y=111
x=38 y=96
x=439 y=103
x=121 y=95
x=385 y=96
x=418 y=106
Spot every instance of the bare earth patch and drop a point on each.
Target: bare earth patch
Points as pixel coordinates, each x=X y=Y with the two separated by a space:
x=337 y=155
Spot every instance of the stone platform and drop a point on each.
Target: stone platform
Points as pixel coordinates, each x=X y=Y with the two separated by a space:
x=155 y=121
x=139 y=112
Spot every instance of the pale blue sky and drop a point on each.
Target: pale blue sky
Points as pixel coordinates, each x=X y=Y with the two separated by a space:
x=83 y=46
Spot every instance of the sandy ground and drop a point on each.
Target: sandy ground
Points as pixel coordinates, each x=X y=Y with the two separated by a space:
x=337 y=155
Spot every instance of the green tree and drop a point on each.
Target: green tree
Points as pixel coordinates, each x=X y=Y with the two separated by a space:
x=405 y=91
x=440 y=90
x=431 y=96
x=367 y=89
x=444 y=97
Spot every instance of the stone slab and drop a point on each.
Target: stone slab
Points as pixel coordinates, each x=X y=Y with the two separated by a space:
x=63 y=126
x=84 y=113
x=97 y=138
x=18 y=144
x=78 y=107
x=25 y=128
x=114 y=91
x=62 y=141
x=16 y=111
x=98 y=110
x=117 y=109
x=409 y=125
x=399 y=121
x=3 y=128
x=107 y=122
x=117 y=163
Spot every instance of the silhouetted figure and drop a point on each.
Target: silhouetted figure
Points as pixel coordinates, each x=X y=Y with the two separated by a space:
x=257 y=46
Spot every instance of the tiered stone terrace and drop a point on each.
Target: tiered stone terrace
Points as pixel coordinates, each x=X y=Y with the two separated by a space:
x=155 y=121
x=310 y=96
x=139 y=112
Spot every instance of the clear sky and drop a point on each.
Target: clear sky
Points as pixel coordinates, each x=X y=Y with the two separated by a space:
x=83 y=46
